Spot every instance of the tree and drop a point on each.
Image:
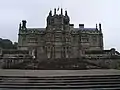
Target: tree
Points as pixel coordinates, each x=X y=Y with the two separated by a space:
x=7 y=44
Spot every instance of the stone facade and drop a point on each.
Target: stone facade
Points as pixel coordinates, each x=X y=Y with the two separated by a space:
x=59 y=46
x=59 y=39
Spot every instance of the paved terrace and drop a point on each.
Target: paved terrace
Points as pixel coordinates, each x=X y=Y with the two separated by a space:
x=43 y=73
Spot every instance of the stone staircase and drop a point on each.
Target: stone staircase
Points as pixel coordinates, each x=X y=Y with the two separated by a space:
x=85 y=82
x=50 y=64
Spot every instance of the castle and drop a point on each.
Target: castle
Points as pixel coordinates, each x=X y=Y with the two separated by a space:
x=59 y=46
x=59 y=39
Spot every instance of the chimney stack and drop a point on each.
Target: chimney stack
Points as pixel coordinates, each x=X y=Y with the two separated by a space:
x=71 y=26
x=81 y=25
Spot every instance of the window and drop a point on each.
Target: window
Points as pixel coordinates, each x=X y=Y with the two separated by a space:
x=32 y=39
x=84 y=39
x=58 y=43
x=48 y=35
x=94 y=38
x=57 y=39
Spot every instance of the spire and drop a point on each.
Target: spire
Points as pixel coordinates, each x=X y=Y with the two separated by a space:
x=61 y=11
x=100 y=27
x=50 y=13
x=55 y=11
x=65 y=13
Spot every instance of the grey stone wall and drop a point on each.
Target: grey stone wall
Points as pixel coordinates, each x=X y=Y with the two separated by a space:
x=59 y=39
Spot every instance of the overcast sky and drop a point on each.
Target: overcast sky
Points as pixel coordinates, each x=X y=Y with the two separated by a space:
x=89 y=12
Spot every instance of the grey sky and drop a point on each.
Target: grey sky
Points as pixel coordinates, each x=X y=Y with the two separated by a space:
x=89 y=12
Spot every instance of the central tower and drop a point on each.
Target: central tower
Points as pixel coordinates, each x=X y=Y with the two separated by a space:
x=58 y=35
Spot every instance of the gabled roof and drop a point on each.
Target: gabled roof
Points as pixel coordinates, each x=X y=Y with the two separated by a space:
x=39 y=29
x=87 y=29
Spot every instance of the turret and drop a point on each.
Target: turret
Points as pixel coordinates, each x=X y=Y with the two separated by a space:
x=66 y=18
x=49 y=18
x=101 y=37
x=24 y=23
x=57 y=18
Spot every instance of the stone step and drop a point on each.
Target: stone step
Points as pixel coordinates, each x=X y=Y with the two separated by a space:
x=105 y=82
x=72 y=85
x=57 y=76
x=62 y=77
x=62 y=86
x=62 y=83
x=58 y=80
x=59 y=89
